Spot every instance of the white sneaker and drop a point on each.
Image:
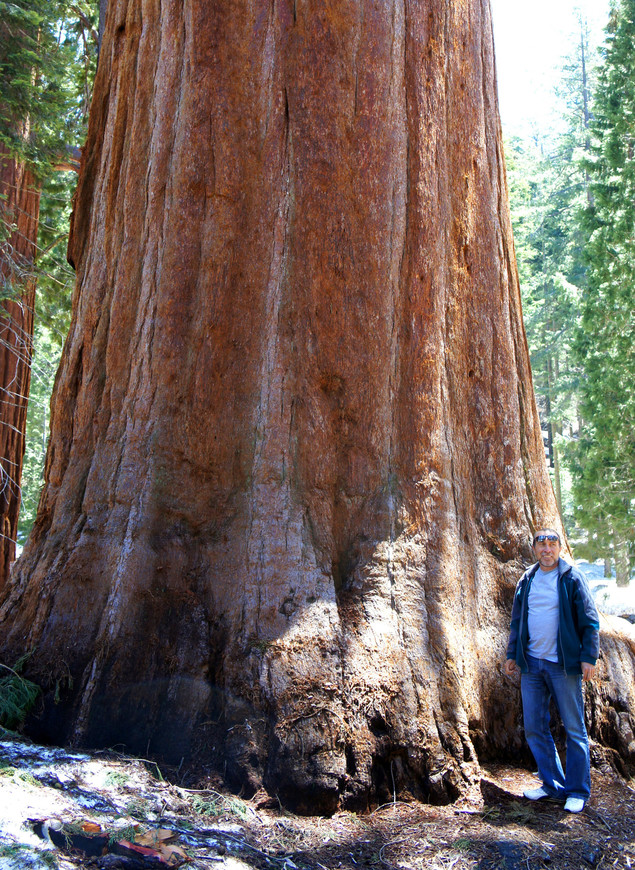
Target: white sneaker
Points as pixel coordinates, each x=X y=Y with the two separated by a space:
x=536 y=794
x=574 y=805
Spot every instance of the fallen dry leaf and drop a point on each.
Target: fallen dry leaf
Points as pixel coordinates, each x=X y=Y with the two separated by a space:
x=173 y=854
x=154 y=837
x=91 y=828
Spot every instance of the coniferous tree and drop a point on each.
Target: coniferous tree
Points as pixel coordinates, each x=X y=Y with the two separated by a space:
x=44 y=76
x=52 y=314
x=603 y=460
x=548 y=188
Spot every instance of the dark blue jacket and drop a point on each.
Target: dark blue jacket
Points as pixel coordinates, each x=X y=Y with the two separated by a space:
x=579 y=624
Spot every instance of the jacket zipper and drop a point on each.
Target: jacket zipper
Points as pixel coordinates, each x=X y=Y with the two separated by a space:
x=564 y=662
x=522 y=616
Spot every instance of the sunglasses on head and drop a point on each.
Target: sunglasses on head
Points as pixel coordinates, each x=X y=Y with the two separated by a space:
x=540 y=539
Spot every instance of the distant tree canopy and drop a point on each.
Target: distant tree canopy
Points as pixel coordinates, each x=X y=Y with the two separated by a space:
x=46 y=70
x=548 y=190
x=604 y=458
x=48 y=54
x=571 y=194
x=545 y=192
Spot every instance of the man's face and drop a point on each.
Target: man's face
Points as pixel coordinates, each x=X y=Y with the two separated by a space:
x=547 y=552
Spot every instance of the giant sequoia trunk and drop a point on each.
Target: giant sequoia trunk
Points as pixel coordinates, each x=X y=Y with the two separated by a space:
x=295 y=456
x=19 y=216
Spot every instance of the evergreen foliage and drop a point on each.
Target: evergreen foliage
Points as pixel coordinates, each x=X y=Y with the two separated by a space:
x=548 y=189
x=572 y=195
x=48 y=57
x=46 y=357
x=44 y=75
x=52 y=318
x=603 y=460
x=17 y=695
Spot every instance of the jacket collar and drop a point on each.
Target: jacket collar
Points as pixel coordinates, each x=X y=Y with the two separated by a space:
x=563 y=568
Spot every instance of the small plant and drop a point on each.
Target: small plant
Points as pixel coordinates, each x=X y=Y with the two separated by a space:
x=128 y=833
x=186 y=824
x=14 y=851
x=463 y=844
x=49 y=859
x=138 y=808
x=26 y=777
x=17 y=695
x=206 y=806
x=237 y=807
x=18 y=775
x=116 y=779
x=215 y=804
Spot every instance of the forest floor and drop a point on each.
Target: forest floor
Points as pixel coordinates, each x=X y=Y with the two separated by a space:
x=57 y=807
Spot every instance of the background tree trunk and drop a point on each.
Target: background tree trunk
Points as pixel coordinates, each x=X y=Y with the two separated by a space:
x=622 y=561
x=103 y=5
x=295 y=457
x=19 y=214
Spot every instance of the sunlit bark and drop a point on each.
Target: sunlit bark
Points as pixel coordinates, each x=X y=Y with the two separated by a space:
x=295 y=456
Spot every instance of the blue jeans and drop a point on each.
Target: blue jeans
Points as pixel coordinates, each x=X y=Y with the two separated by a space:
x=547 y=680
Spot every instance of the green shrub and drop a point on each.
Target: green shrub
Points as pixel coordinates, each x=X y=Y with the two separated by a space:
x=17 y=695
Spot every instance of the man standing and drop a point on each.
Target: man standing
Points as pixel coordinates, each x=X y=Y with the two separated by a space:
x=554 y=640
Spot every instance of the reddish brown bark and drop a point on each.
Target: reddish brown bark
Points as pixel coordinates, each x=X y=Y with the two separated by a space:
x=19 y=215
x=295 y=456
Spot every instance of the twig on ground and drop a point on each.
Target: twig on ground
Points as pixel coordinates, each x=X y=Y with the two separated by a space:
x=389 y=805
x=602 y=819
x=386 y=845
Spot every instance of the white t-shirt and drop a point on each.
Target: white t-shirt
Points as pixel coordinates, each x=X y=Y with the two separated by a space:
x=543 y=616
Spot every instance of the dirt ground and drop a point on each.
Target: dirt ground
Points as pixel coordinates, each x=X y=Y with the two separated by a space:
x=127 y=799
x=503 y=830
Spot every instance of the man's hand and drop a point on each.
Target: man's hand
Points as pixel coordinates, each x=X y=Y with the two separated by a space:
x=512 y=668
x=588 y=671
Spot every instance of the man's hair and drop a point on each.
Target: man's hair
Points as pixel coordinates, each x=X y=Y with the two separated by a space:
x=541 y=531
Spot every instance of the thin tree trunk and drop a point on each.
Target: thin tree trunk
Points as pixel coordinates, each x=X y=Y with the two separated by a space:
x=295 y=458
x=554 y=429
x=586 y=117
x=622 y=561
x=553 y=426
x=19 y=213
x=557 y=485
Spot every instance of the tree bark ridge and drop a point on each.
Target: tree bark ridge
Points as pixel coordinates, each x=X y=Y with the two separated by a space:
x=295 y=456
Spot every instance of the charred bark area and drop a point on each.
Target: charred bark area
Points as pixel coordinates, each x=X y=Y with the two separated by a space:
x=295 y=456
x=19 y=215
